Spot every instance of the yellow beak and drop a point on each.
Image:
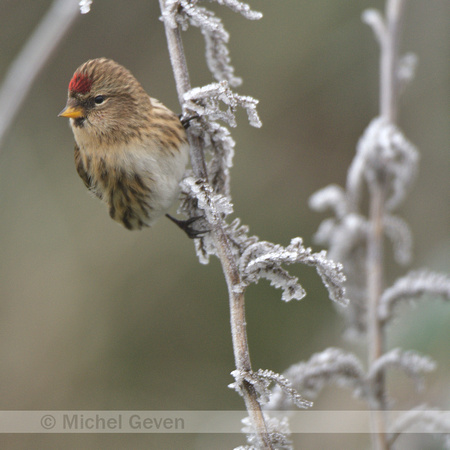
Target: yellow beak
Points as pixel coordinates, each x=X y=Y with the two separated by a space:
x=73 y=112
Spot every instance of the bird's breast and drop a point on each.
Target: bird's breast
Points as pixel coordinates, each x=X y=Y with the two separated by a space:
x=138 y=184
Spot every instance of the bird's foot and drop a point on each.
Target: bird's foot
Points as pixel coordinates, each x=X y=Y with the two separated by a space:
x=186 y=120
x=186 y=226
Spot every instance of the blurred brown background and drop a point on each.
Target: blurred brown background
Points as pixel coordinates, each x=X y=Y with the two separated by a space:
x=93 y=316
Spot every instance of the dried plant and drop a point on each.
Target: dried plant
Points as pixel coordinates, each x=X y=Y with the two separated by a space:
x=385 y=166
x=245 y=259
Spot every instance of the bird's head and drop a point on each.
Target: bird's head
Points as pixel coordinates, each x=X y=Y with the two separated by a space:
x=105 y=100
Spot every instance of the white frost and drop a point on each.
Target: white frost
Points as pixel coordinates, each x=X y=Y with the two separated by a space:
x=85 y=6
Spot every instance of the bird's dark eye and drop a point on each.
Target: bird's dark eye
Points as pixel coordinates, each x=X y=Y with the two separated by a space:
x=99 y=99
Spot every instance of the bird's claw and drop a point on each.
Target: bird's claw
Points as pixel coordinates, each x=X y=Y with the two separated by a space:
x=186 y=120
x=186 y=226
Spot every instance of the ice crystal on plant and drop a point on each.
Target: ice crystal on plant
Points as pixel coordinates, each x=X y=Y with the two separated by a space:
x=340 y=367
x=205 y=101
x=264 y=260
x=279 y=437
x=85 y=6
x=241 y=8
x=330 y=197
x=413 y=364
x=278 y=430
x=422 y=419
x=213 y=205
x=384 y=166
x=399 y=233
x=188 y=12
x=383 y=151
x=333 y=365
x=411 y=287
x=262 y=379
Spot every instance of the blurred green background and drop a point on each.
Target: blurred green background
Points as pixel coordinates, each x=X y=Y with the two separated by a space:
x=93 y=316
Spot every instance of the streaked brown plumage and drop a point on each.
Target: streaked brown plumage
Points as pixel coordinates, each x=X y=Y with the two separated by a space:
x=131 y=151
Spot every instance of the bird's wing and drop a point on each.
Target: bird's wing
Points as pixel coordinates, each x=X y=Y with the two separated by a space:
x=80 y=167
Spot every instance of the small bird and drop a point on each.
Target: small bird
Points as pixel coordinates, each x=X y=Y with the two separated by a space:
x=130 y=150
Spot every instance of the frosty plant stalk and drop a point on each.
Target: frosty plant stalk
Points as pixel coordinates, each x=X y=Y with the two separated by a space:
x=245 y=259
x=385 y=166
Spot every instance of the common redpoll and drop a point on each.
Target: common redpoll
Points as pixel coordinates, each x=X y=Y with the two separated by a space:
x=131 y=151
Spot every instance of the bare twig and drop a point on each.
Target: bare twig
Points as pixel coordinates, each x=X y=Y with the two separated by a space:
x=32 y=59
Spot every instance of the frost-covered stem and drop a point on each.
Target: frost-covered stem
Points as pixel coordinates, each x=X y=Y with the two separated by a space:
x=389 y=45
x=229 y=266
x=183 y=84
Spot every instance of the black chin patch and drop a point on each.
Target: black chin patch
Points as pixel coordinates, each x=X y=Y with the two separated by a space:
x=79 y=123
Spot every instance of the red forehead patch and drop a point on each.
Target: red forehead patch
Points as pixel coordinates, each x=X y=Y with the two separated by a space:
x=80 y=83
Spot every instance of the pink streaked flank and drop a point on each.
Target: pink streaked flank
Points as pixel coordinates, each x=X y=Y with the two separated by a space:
x=80 y=83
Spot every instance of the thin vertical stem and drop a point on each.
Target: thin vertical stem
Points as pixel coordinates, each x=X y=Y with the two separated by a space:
x=183 y=84
x=375 y=283
x=32 y=59
x=389 y=58
x=375 y=274
x=375 y=254
x=229 y=266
